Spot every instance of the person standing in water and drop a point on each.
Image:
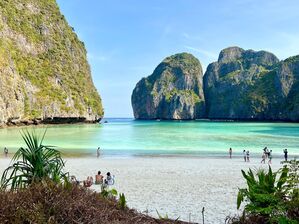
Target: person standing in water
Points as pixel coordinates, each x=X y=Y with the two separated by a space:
x=98 y=152
x=244 y=155
x=5 y=151
x=285 y=151
x=230 y=151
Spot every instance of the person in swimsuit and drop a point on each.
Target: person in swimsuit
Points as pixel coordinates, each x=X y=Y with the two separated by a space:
x=263 y=158
x=247 y=156
x=5 y=151
x=230 y=152
x=285 y=151
x=270 y=157
x=99 y=178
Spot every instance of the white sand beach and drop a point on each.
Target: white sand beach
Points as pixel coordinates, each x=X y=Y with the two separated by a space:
x=177 y=186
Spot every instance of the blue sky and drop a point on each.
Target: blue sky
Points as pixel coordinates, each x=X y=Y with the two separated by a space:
x=127 y=39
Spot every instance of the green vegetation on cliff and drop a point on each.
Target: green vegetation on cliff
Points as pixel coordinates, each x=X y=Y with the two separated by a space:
x=44 y=53
x=173 y=91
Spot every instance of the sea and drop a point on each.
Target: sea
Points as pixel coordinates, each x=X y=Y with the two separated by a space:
x=123 y=137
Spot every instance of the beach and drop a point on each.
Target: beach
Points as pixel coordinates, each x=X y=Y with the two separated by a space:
x=177 y=186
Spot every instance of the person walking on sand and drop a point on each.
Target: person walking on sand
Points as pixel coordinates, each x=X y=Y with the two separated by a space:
x=244 y=155
x=285 y=151
x=263 y=158
x=247 y=156
x=98 y=152
x=270 y=157
x=5 y=151
x=230 y=151
x=265 y=151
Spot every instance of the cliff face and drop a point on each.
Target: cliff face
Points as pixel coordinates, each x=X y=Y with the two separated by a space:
x=286 y=80
x=44 y=73
x=241 y=85
x=173 y=91
x=252 y=85
x=229 y=84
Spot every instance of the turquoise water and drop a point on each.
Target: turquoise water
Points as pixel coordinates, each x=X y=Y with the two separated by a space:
x=130 y=137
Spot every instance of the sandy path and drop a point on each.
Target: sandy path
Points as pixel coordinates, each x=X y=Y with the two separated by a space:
x=177 y=186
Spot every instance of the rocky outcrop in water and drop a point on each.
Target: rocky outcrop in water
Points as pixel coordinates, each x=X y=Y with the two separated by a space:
x=230 y=84
x=44 y=73
x=250 y=85
x=173 y=91
x=241 y=85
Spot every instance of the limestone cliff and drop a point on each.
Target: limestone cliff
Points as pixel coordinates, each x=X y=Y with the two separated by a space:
x=252 y=85
x=173 y=91
x=44 y=73
x=241 y=85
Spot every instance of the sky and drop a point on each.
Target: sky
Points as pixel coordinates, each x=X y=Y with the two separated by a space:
x=127 y=39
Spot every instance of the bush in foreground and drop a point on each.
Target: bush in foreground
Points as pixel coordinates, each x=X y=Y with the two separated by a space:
x=272 y=197
x=47 y=202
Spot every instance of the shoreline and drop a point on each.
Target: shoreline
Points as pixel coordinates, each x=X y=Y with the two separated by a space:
x=200 y=155
x=49 y=122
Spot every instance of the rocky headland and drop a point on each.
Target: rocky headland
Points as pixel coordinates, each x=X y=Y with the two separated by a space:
x=173 y=91
x=241 y=85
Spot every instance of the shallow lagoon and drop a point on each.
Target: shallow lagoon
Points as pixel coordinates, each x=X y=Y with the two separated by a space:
x=126 y=137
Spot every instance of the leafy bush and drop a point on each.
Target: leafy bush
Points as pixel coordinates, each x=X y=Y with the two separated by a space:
x=270 y=199
x=35 y=163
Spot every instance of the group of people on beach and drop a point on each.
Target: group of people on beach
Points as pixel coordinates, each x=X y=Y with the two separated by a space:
x=99 y=180
x=246 y=155
x=267 y=154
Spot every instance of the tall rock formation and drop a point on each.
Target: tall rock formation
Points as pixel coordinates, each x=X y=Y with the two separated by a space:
x=230 y=84
x=173 y=91
x=44 y=73
x=252 y=85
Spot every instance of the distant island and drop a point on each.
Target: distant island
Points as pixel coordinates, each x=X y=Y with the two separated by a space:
x=241 y=85
x=44 y=73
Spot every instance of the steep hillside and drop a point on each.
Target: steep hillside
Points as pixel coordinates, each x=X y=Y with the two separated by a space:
x=44 y=73
x=173 y=91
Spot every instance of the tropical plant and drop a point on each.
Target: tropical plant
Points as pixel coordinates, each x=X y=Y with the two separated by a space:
x=265 y=195
x=106 y=193
x=165 y=217
x=122 y=201
x=34 y=163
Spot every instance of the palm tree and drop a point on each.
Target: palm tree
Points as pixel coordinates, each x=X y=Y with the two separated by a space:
x=34 y=163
